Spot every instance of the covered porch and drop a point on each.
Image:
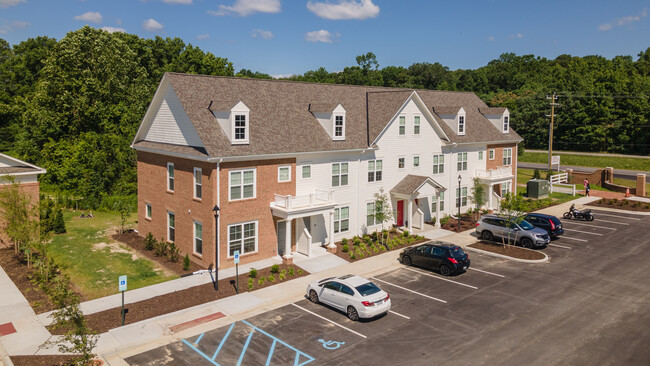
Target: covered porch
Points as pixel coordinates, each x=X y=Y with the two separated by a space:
x=413 y=198
x=498 y=180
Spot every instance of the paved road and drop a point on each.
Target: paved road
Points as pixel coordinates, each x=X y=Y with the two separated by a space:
x=587 y=306
x=618 y=173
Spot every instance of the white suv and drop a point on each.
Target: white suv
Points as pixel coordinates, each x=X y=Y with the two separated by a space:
x=355 y=295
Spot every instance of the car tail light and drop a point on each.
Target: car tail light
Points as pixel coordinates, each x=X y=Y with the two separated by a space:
x=552 y=225
x=452 y=260
x=387 y=297
x=367 y=303
x=477 y=224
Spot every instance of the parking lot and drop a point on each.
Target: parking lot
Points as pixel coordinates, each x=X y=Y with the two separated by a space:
x=582 y=308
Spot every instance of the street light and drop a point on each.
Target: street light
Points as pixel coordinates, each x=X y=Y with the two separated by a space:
x=459 y=201
x=216 y=247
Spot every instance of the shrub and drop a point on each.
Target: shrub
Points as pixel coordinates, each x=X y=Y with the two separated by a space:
x=252 y=273
x=405 y=234
x=444 y=220
x=433 y=221
x=344 y=241
x=345 y=248
x=186 y=262
x=353 y=256
x=625 y=202
x=367 y=240
x=290 y=271
x=357 y=242
x=615 y=200
x=271 y=278
x=173 y=253
x=635 y=204
x=373 y=236
x=149 y=242
x=647 y=206
x=275 y=268
x=282 y=276
x=299 y=272
x=375 y=249
x=160 y=249
x=250 y=284
x=385 y=234
x=58 y=225
x=536 y=174
x=261 y=280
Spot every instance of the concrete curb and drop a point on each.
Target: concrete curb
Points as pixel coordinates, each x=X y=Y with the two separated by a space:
x=543 y=260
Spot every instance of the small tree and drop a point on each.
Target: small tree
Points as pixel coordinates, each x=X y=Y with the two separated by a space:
x=125 y=209
x=58 y=225
x=478 y=195
x=19 y=215
x=537 y=174
x=383 y=212
x=512 y=207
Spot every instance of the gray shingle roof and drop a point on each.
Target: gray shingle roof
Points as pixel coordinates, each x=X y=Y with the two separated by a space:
x=492 y=111
x=410 y=184
x=281 y=120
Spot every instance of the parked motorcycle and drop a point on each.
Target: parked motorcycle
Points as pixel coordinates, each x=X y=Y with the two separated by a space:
x=578 y=214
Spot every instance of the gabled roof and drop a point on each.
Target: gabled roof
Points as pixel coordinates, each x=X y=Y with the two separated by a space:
x=281 y=119
x=491 y=111
x=13 y=166
x=411 y=184
x=446 y=110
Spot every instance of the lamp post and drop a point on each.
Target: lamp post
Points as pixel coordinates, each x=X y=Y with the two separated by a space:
x=459 y=201
x=216 y=247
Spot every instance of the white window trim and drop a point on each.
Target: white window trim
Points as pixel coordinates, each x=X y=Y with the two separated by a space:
x=147 y=208
x=374 y=212
x=375 y=170
x=506 y=125
x=339 y=220
x=400 y=125
x=507 y=187
x=171 y=178
x=340 y=175
x=439 y=164
x=464 y=124
x=507 y=157
x=198 y=183
x=233 y=115
x=170 y=227
x=434 y=202
x=491 y=154
x=462 y=162
x=194 y=240
x=480 y=155
x=401 y=158
x=459 y=196
x=242 y=184
x=289 y=175
x=417 y=119
x=241 y=252
x=419 y=161
x=334 y=137
x=302 y=171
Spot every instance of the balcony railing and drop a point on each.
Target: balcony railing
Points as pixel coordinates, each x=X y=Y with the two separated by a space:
x=320 y=197
x=498 y=173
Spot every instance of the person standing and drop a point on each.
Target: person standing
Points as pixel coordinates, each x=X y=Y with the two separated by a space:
x=587 y=189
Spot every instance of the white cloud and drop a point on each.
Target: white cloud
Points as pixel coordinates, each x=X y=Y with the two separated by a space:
x=620 y=22
x=7 y=27
x=260 y=33
x=203 y=36
x=248 y=7
x=344 y=9
x=8 y=3
x=151 y=25
x=518 y=35
x=114 y=29
x=320 y=36
x=91 y=16
x=490 y=38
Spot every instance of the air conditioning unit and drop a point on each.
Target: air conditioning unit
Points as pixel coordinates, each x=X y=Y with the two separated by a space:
x=537 y=188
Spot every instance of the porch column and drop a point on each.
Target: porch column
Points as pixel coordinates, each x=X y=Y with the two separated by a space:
x=331 y=247
x=409 y=216
x=287 y=258
x=490 y=194
x=438 y=209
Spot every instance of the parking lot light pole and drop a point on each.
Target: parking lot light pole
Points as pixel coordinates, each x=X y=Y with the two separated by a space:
x=459 y=201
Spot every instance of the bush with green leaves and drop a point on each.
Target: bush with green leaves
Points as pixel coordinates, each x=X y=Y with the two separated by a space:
x=353 y=256
x=373 y=236
x=405 y=234
x=160 y=249
x=300 y=272
x=356 y=241
x=444 y=220
x=250 y=284
x=149 y=242
x=252 y=273
x=537 y=174
x=344 y=241
x=186 y=262
x=282 y=276
x=173 y=252
x=271 y=278
x=261 y=280
x=290 y=271
x=275 y=268
x=58 y=225
x=345 y=248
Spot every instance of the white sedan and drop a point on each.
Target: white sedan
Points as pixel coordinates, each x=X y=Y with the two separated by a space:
x=355 y=295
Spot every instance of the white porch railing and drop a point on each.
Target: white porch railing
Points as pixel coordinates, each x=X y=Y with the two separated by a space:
x=320 y=197
x=498 y=173
x=496 y=201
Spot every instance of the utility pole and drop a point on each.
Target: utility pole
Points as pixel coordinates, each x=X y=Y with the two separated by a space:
x=553 y=98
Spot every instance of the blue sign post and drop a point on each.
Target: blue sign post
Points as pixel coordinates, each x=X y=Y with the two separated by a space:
x=237 y=270
x=122 y=288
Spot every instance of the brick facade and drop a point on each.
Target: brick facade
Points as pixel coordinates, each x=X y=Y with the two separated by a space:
x=32 y=190
x=497 y=162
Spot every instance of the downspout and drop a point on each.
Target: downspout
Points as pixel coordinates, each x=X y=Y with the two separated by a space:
x=216 y=239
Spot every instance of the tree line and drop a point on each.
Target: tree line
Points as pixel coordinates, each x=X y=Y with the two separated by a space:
x=74 y=105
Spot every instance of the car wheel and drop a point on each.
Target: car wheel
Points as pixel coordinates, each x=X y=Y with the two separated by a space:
x=313 y=296
x=444 y=270
x=407 y=260
x=352 y=313
x=567 y=215
x=526 y=243
x=487 y=235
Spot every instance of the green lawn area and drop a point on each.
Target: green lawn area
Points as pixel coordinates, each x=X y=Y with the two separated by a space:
x=94 y=261
x=524 y=175
x=592 y=161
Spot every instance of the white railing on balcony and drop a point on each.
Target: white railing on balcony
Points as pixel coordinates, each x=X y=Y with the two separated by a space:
x=501 y=172
x=320 y=197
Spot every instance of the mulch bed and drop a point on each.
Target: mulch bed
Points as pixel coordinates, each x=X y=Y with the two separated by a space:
x=49 y=360
x=465 y=224
x=103 y=321
x=370 y=252
x=509 y=250
x=17 y=270
x=136 y=242
x=621 y=204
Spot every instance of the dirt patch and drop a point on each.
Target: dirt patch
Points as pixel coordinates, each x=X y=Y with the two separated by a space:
x=51 y=360
x=508 y=250
x=136 y=242
x=465 y=224
x=103 y=321
x=621 y=204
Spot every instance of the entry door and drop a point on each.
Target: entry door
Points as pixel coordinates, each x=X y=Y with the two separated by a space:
x=282 y=234
x=400 y=213
x=304 y=242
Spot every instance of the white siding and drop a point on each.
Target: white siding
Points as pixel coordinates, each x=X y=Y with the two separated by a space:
x=171 y=124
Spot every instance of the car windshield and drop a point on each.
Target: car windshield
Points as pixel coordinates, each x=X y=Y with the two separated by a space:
x=526 y=225
x=457 y=253
x=368 y=289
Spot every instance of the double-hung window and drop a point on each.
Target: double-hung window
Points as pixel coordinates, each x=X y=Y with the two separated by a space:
x=171 y=227
x=240 y=127
x=434 y=203
x=461 y=197
x=339 y=174
x=416 y=161
x=147 y=210
x=170 y=177
x=374 y=170
x=461 y=125
x=338 y=126
x=402 y=125
x=400 y=163
x=198 y=186
x=341 y=219
x=284 y=173
x=462 y=162
x=306 y=171
x=505 y=188
x=491 y=154
x=438 y=164
x=198 y=238
x=242 y=237
x=242 y=184
x=507 y=156
x=480 y=155
x=506 y=123
x=371 y=218
x=416 y=125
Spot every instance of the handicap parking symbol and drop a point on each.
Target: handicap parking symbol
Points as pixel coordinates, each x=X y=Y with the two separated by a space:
x=331 y=344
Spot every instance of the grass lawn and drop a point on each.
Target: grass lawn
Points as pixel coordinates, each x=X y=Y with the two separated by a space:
x=591 y=161
x=94 y=261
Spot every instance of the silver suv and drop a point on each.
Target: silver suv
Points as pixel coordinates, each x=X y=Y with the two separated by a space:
x=513 y=231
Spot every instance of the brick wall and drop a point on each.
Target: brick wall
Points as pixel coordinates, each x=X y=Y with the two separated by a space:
x=497 y=162
x=32 y=190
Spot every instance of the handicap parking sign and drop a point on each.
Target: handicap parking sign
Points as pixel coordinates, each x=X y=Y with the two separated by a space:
x=122 y=283
x=236 y=256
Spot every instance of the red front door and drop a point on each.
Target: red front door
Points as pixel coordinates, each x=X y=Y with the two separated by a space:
x=400 y=213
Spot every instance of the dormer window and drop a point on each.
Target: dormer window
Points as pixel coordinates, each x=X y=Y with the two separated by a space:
x=331 y=117
x=461 y=124
x=339 y=126
x=240 y=128
x=506 y=124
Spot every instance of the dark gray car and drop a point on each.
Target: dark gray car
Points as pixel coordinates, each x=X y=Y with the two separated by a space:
x=513 y=231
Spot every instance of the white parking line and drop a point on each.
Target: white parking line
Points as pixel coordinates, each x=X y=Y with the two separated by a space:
x=398 y=314
x=624 y=217
x=406 y=289
x=329 y=321
x=584 y=224
x=584 y=232
x=568 y=237
x=558 y=245
x=440 y=278
x=613 y=222
x=490 y=273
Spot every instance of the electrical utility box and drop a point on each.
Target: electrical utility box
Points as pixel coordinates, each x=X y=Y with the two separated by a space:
x=537 y=188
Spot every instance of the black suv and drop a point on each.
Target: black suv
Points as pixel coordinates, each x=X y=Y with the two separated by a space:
x=551 y=224
x=444 y=257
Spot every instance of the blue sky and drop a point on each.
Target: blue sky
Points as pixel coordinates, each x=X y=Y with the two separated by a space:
x=281 y=37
